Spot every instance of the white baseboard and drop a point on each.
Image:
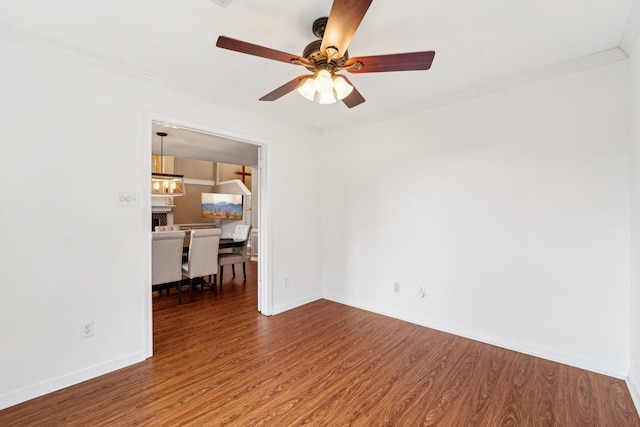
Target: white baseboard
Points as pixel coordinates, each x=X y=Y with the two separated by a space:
x=632 y=385
x=297 y=303
x=544 y=353
x=45 y=387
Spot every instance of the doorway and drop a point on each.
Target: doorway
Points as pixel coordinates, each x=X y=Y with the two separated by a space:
x=201 y=143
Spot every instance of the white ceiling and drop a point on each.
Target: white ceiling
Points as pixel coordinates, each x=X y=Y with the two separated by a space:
x=476 y=43
x=189 y=144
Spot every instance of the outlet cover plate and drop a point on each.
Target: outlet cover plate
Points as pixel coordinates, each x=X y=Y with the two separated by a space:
x=86 y=330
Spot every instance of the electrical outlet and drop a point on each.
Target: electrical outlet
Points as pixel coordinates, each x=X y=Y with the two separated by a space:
x=396 y=286
x=421 y=292
x=286 y=280
x=86 y=330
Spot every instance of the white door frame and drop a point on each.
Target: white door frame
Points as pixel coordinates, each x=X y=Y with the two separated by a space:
x=265 y=297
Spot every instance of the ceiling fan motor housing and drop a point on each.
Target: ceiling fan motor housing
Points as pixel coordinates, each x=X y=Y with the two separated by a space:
x=312 y=50
x=319 y=25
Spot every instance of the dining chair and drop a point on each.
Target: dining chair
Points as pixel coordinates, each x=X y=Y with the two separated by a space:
x=167 y=228
x=202 y=258
x=237 y=255
x=241 y=232
x=166 y=260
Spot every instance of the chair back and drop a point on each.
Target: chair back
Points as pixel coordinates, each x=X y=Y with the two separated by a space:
x=238 y=254
x=242 y=250
x=246 y=230
x=166 y=256
x=203 y=252
x=241 y=232
x=167 y=228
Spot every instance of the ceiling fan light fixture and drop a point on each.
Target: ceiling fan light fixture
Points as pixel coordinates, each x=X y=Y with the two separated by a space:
x=308 y=89
x=325 y=87
x=326 y=97
x=341 y=87
x=324 y=81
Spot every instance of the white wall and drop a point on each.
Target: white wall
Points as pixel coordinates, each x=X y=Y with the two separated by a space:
x=634 y=373
x=74 y=134
x=511 y=210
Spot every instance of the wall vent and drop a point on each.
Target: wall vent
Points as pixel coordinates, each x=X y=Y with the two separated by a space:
x=222 y=3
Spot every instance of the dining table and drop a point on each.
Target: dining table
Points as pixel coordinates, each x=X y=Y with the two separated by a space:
x=230 y=243
x=225 y=243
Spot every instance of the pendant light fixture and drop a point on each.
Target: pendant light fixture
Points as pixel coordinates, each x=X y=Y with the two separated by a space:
x=166 y=184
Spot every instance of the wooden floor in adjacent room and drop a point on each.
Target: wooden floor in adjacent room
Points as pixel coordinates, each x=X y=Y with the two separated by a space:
x=218 y=362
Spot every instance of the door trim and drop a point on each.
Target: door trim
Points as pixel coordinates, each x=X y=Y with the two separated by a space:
x=265 y=291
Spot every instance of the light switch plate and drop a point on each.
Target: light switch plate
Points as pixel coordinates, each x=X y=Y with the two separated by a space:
x=128 y=199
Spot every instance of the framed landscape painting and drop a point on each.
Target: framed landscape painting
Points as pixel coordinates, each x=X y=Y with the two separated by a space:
x=222 y=206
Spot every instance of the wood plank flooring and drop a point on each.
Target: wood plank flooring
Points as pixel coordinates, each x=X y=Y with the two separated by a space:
x=218 y=362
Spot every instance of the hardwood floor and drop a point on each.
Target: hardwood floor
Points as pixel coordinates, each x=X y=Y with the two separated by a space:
x=218 y=362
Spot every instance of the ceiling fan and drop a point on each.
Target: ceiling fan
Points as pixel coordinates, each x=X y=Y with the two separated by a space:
x=328 y=55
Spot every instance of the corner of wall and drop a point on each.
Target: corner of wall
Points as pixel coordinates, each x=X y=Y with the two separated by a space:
x=632 y=385
x=296 y=303
x=632 y=30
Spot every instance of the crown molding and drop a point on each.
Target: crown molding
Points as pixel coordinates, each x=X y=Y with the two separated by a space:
x=26 y=39
x=632 y=30
x=597 y=59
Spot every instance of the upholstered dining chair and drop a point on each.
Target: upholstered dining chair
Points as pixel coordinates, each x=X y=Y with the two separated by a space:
x=166 y=259
x=202 y=259
x=167 y=228
x=237 y=255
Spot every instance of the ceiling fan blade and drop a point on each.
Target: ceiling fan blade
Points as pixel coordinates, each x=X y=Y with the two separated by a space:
x=284 y=89
x=257 y=50
x=344 y=19
x=392 y=62
x=354 y=98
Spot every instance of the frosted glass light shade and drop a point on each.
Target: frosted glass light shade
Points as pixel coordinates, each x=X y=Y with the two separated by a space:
x=307 y=89
x=341 y=87
x=324 y=82
x=326 y=98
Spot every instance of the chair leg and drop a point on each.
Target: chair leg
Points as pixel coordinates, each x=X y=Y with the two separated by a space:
x=233 y=270
x=221 y=274
x=180 y=293
x=244 y=270
x=190 y=289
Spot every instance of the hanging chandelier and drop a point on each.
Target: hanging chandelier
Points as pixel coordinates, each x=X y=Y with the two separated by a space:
x=166 y=184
